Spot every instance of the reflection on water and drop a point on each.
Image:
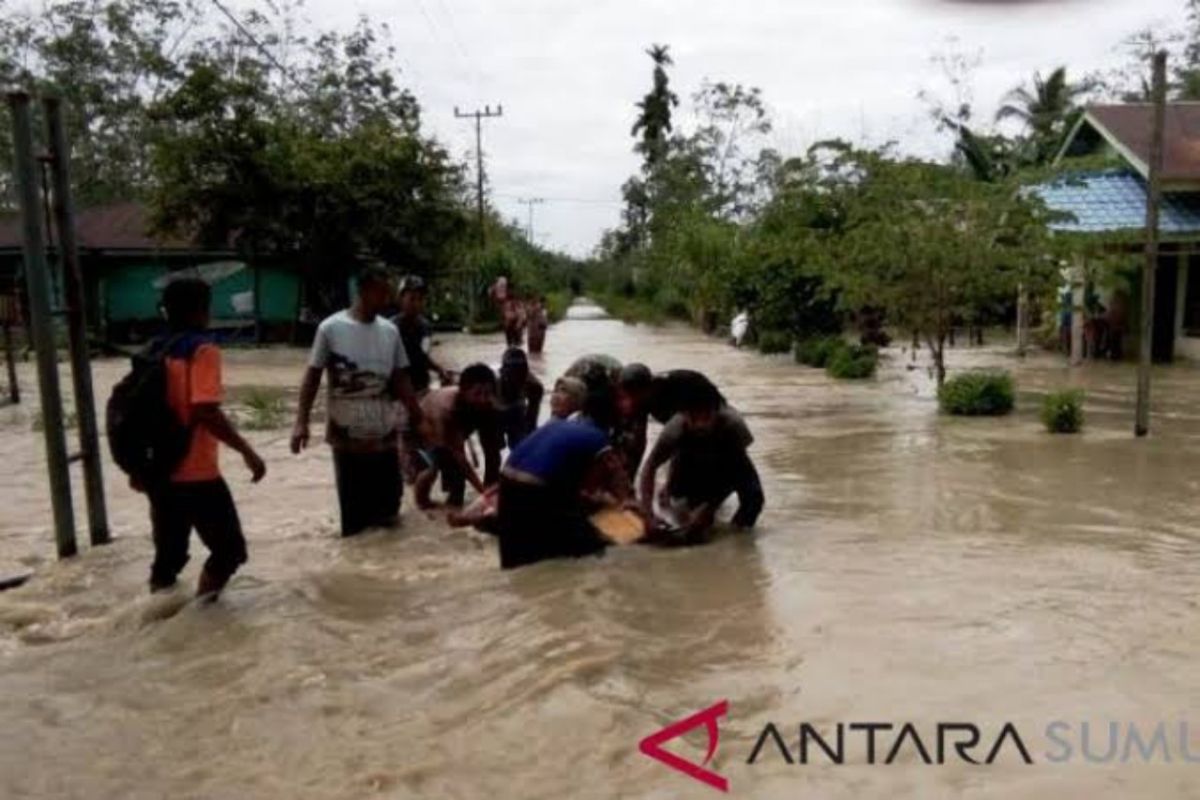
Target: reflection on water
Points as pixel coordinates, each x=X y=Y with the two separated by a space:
x=906 y=567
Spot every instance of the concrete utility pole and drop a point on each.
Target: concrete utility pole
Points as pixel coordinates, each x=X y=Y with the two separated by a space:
x=473 y=290
x=1153 y=199
x=530 y=202
x=479 y=117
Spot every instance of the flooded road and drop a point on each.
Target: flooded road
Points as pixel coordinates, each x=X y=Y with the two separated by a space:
x=908 y=567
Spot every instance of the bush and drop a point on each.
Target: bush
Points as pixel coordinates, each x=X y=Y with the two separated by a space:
x=818 y=351
x=266 y=408
x=1062 y=412
x=774 y=342
x=557 y=304
x=853 y=363
x=974 y=394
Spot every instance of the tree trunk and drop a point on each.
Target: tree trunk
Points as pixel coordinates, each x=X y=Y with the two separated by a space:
x=937 y=349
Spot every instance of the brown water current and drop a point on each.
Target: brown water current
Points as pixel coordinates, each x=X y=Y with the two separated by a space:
x=908 y=567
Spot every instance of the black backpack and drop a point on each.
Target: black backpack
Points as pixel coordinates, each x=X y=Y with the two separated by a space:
x=145 y=436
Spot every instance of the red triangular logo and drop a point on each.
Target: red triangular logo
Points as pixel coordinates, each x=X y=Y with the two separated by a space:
x=652 y=745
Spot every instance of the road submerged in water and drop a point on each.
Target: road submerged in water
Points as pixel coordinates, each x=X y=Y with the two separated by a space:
x=908 y=568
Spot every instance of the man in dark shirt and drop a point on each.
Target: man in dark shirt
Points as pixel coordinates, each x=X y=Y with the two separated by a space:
x=416 y=335
x=519 y=398
x=705 y=444
x=668 y=389
x=417 y=339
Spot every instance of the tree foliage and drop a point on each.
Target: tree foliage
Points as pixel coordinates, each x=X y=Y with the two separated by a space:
x=840 y=233
x=267 y=135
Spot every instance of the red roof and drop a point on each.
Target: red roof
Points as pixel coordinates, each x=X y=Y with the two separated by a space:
x=117 y=226
x=1127 y=127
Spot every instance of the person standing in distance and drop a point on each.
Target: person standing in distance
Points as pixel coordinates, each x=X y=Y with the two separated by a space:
x=366 y=362
x=416 y=334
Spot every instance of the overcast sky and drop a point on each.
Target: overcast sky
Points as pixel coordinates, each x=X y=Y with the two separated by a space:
x=568 y=74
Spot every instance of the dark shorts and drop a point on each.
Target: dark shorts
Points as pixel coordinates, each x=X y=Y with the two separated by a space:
x=368 y=487
x=536 y=523
x=207 y=506
x=454 y=480
x=706 y=477
x=514 y=424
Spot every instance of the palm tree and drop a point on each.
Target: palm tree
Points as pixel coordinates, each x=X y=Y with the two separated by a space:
x=1048 y=110
x=654 y=120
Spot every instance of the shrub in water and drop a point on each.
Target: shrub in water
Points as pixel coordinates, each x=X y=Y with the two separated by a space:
x=817 y=352
x=1062 y=412
x=774 y=342
x=853 y=362
x=266 y=408
x=977 y=394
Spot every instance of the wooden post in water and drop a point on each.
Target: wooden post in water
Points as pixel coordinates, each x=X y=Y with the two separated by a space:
x=42 y=324
x=76 y=313
x=1153 y=198
x=1022 y=321
x=1078 y=288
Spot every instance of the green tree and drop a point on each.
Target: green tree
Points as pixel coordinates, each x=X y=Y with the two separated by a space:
x=1047 y=109
x=107 y=60
x=653 y=124
x=329 y=179
x=932 y=246
x=652 y=130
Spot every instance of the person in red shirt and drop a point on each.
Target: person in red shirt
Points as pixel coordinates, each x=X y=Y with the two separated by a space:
x=196 y=496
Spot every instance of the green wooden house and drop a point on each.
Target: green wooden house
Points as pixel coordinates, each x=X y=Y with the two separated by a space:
x=1111 y=203
x=125 y=269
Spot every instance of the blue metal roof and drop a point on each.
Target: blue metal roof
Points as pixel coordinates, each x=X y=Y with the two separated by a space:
x=1116 y=201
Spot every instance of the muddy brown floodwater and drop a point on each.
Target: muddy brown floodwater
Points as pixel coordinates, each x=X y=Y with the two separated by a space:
x=908 y=567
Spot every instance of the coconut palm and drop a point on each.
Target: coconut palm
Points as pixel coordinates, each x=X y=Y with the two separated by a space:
x=1048 y=109
x=654 y=120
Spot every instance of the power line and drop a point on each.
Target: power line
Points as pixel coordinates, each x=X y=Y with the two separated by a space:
x=453 y=30
x=581 y=200
x=457 y=47
x=257 y=44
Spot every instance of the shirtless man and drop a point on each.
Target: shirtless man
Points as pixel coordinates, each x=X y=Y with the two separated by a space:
x=452 y=414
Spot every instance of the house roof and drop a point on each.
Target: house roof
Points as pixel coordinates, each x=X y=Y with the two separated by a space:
x=117 y=226
x=1127 y=129
x=1113 y=201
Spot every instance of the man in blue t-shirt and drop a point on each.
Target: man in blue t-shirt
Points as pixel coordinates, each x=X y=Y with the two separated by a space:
x=550 y=482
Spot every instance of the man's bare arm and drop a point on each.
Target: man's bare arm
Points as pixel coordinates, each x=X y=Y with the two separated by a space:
x=402 y=390
x=308 y=394
x=458 y=449
x=212 y=418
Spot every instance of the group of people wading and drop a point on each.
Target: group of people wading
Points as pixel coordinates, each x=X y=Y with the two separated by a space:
x=563 y=489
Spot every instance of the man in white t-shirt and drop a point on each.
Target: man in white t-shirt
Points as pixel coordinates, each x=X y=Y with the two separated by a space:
x=365 y=359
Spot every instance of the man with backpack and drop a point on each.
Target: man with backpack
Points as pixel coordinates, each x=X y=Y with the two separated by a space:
x=165 y=424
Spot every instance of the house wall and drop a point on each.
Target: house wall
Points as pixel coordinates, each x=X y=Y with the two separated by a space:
x=1187 y=339
x=130 y=293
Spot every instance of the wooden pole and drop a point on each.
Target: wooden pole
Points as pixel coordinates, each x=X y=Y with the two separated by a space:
x=81 y=365
x=10 y=359
x=1153 y=198
x=1022 y=321
x=42 y=325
